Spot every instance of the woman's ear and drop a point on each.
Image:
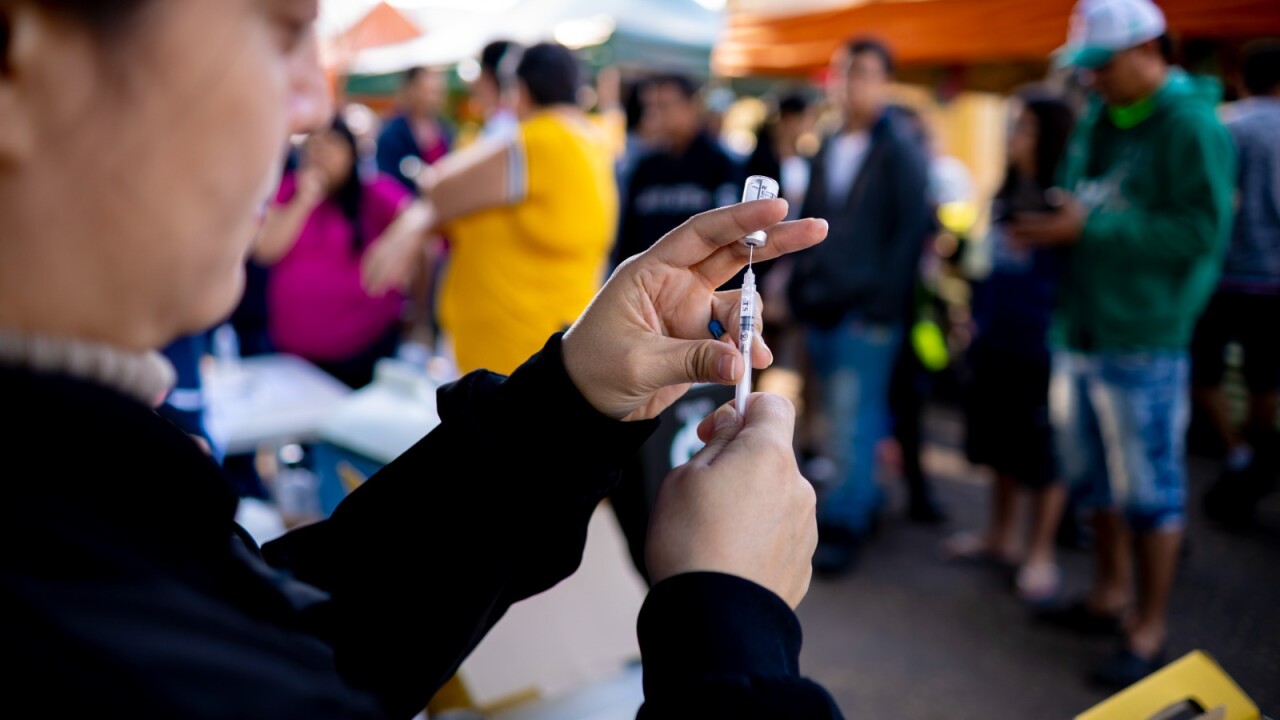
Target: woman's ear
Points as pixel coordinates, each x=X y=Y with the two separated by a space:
x=49 y=72
x=17 y=27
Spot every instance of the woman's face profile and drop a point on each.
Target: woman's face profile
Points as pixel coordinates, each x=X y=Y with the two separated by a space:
x=145 y=154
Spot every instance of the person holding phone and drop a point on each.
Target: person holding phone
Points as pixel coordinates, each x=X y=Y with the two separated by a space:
x=1008 y=395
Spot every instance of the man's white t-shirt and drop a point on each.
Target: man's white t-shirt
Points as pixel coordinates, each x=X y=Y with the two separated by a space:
x=845 y=156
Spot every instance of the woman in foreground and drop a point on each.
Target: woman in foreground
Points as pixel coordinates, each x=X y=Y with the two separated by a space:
x=138 y=147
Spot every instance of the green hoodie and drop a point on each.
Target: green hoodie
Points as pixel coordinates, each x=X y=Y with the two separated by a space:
x=1160 y=204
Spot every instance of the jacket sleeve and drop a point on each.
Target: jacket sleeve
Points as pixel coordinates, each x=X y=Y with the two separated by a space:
x=392 y=149
x=490 y=508
x=628 y=242
x=912 y=220
x=1192 y=218
x=716 y=645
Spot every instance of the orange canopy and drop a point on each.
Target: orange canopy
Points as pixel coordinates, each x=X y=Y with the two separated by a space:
x=954 y=32
x=384 y=25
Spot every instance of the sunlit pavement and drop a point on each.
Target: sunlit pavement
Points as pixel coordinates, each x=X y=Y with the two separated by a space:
x=911 y=636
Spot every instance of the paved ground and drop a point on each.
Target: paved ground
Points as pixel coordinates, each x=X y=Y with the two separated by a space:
x=911 y=637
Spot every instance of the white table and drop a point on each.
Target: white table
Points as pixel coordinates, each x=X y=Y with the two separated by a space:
x=268 y=400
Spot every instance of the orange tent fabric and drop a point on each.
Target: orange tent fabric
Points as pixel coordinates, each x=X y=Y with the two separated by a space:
x=384 y=25
x=954 y=32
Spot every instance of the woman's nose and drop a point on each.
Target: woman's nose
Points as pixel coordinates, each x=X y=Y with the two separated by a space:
x=310 y=102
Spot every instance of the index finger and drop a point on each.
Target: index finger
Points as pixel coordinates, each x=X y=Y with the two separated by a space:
x=702 y=235
x=783 y=238
x=767 y=413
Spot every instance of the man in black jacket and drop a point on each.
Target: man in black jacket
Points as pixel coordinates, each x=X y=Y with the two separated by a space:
x=690 y=173
x=870 y=182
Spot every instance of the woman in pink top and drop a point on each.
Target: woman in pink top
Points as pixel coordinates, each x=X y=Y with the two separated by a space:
x=324 y=217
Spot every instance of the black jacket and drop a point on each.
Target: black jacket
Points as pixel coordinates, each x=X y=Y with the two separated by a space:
x=868 y=264
x=126 y=589
x=665 y=190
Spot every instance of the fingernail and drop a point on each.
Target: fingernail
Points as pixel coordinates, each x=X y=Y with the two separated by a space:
x=716 y=328
x=728 y=368
x=725 y=417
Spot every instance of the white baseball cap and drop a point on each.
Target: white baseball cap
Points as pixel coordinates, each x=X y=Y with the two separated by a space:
x=1102 y=28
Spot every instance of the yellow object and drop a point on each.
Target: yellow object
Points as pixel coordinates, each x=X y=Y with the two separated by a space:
x=930 y=345
x=958 y=216
x=523 y=271
x=1195 y=677
x=351 y=477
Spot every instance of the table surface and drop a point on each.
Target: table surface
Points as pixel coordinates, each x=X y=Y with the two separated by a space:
x=268 y=399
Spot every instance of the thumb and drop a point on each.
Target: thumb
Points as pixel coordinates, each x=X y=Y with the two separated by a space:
x=726 y=422
x=695 y=361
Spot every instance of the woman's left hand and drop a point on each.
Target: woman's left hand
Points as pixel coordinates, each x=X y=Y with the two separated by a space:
x=644 y=339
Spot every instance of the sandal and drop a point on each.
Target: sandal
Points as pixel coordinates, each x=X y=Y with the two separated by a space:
x=1039 y=583
x=1078 y=617
x=972 y=547
x=1126 y=668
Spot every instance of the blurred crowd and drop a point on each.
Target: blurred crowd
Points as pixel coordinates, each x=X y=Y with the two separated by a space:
x=1131 y=255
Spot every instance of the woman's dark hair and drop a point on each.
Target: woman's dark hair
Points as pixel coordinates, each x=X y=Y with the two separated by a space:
x=1054 y=121
x=550 y=72
x=350 y=193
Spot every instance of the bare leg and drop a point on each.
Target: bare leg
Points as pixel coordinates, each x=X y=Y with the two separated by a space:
x=1158 y=554
x=1113 y=564
x=999 y=540
x=1002 y=530
x=1214 y=401
x=1046 y=512
x=1263 y=410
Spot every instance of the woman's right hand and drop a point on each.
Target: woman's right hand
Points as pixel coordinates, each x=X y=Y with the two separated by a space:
x=740 y=506
x=311 y=185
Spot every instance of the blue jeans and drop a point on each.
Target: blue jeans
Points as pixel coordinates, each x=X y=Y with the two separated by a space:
x=1120 y=425
x=853 y=362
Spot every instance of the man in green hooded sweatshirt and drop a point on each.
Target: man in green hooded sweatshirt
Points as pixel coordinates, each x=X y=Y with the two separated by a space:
x=1150 y=174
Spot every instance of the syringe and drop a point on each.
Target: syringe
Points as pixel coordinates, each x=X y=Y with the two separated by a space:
x=758 y=187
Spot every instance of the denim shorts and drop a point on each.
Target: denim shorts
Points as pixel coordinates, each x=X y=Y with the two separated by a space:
x=1120 y=423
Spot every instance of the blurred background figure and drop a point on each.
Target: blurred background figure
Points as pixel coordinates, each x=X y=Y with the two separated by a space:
x=717 y=101
x=781 y=153
x=1246 y=307
x=418 y=136
x=913 y=379
x=529 y=220
x=778 y=154
x=687 y=174
x=1009 y=362
x=642 y=135
x=316 y=234
x=1151 y=174
x=492 y=90
x=870 y=182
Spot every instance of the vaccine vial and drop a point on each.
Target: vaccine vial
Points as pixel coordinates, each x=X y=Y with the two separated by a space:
x=758 y=187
